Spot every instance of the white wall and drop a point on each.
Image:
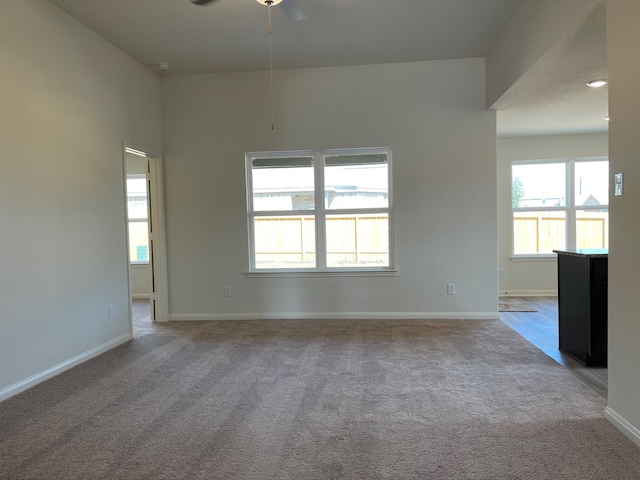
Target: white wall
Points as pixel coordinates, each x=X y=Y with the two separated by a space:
x=69 y=99
x=140 y=277
x=537 y=277
x=432 y=115
x=624 y=256
x=535 y=28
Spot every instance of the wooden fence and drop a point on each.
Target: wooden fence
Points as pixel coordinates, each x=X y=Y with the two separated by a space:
x=541 y=233
x=287 y=242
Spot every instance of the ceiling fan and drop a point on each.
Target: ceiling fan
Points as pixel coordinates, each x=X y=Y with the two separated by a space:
x=289 y=7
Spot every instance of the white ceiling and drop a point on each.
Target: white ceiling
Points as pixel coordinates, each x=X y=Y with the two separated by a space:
x=231 y=36
x=552 y=97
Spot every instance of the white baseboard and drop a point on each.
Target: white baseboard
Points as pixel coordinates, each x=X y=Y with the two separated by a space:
x=145 y=296
x=629 y=431
x=528 y=293
x=337 y=316
x=23 y=385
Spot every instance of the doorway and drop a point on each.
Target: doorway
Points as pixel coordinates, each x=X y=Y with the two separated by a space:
x=146 y=253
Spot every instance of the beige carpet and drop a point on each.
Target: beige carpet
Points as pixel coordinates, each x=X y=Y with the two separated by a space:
x=315 y=400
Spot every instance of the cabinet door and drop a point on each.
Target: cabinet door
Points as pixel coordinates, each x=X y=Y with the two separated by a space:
x=574 y=305
x=599 y=310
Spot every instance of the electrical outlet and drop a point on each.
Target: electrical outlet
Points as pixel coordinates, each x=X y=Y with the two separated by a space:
x=451 y=288
x=501 y=272
x=227 y=291
x=112 y=312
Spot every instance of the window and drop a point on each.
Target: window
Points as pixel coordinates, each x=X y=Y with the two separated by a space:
x=137 y=216
x=320 y=211
x=560 y=204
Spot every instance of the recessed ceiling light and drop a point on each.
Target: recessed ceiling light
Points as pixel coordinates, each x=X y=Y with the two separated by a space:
x=597 y=83
x=606 y=118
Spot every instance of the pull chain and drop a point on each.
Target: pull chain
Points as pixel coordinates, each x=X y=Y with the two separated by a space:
x=273 y=123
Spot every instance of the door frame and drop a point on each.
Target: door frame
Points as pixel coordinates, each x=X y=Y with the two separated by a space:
x=158 y=243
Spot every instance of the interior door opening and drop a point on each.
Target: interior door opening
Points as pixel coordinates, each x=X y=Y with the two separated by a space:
x=145 y=236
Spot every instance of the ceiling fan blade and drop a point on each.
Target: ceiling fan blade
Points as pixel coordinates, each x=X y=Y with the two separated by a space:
x=292 y=10
x=202 y=2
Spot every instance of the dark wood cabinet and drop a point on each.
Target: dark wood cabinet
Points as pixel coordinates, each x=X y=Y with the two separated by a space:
x=582 y=305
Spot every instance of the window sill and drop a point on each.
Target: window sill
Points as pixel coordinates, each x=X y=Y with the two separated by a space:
x=552 y=257
x=139 y=264
x=322 y=273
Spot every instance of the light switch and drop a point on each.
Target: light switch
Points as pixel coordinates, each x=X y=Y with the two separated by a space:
x=618 y=184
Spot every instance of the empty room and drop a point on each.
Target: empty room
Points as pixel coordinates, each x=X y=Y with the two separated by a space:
x=252 y=239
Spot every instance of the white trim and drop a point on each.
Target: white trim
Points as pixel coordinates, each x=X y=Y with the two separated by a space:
x=629 y=431
x=321 y=273
x=136 y=265
x=33 y=380
x=181 y=317
x=135 y=152
x=146 y=296
x=319 y=213
x=321 y=218
x=528 y=293
x=543 y=257
x=571 y=234
x=126 y=235
x=160 y=270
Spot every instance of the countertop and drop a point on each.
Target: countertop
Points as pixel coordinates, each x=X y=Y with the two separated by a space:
x=584 y=252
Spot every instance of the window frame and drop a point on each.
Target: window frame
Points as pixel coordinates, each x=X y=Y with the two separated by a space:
x=138 y=176
x=319 y=213
x=570 y=208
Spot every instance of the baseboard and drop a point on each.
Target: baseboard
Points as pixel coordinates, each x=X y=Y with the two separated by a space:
x=528 y=293
x=629 y=431
x=336 y=316
x=137 y=296
x=23 y=385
